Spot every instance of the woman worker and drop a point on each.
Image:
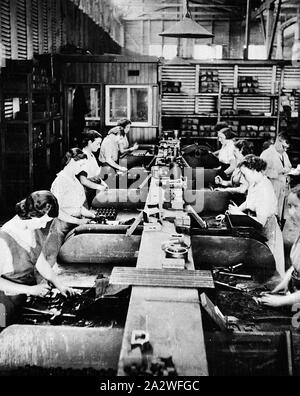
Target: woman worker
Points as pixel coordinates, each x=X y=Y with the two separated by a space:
x=227 y=154
x=261 y=202
x=71 y=198
x=90 y=175
x=69 y=191
x=291 y=279
x=22 y=252
x=123 y=142
x=109 y=152
x=237 y=183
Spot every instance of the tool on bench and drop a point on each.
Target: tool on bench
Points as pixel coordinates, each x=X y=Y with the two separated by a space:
x=229 y=287
x=241 y=276
x=54 y=313
x=134 y=225
x=199 y=220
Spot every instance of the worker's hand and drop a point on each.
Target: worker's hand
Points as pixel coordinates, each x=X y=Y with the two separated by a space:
x=272 y=301
x=67 y=291
x=84 y=221
x=40 y=290
x=283 y=286
x=123 y=169
x=218 y=180
x=134 y=147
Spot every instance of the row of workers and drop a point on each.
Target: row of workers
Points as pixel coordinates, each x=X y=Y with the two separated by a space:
x=265 y=179
x=30 y=241
x=25 y=250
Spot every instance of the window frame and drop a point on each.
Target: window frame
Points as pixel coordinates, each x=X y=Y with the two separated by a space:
x=108 y=88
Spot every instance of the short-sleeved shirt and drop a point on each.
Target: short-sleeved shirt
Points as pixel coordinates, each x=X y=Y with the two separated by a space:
x=261 y=198
x=228 y=152
x=91 y=168
x=109 y=149
x=69 y=192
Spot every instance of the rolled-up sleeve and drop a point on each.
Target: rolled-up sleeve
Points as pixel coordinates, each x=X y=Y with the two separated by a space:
x=6 y=261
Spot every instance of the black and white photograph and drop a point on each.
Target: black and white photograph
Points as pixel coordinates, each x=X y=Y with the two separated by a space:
x=149 y=192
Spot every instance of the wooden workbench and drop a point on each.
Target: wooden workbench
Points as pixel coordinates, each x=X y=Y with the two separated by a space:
x=171 y=316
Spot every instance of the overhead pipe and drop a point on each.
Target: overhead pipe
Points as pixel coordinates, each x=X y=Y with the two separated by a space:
x=247 y=31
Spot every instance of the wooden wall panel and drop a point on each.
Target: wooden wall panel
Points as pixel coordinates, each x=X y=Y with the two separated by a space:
x=111 y=73
x=5 y=27
x=44 y=26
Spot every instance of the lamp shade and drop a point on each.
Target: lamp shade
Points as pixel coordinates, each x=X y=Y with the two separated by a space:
x=187 y=28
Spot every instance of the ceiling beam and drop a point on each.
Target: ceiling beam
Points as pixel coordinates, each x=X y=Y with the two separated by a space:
x=267 y=5
x=270 y=40
x=169 y=19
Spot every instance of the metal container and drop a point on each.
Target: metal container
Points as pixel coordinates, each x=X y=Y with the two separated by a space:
x=176 y=251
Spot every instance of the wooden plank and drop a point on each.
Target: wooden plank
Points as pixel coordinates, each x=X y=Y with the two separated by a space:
x=210 y=308
x=29 y=30
x=13 y=30
x=162 y=278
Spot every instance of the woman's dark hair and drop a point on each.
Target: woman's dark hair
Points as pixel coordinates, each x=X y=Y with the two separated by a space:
x=221 y=125
x=115 y=130
x=254 y=163
x=296 y=190
x=244 y=146
x=123 y=123
x=75 y=153
x=89 y=135
x=228 y=133
x=37 y=204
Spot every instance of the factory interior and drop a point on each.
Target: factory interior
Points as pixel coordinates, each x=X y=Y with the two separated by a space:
x=150 y=188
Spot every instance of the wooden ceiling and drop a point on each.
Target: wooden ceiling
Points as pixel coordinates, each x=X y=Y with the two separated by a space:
x=200 y=9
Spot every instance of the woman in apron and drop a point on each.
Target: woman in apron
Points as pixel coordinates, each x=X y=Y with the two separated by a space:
x=22 y=246
x=227 y=154
x=261 y=202
x=291 y=280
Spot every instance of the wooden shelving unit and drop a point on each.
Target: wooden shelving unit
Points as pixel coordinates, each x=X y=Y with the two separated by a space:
x=31 y=127
x=195 y=113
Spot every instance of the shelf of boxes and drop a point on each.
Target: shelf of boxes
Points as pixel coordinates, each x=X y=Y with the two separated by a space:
x=245 y=95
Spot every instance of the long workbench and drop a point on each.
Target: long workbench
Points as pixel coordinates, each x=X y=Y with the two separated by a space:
x=171 y=316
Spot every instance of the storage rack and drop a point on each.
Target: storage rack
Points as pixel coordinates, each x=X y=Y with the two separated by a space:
x=254 y=115
x=31 y=129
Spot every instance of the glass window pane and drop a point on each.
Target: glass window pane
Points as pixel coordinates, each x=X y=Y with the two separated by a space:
x=208 y=51
x=139 y=105
x=118 y=104
x=170 y=51
x=155 y=50
x=257 y=52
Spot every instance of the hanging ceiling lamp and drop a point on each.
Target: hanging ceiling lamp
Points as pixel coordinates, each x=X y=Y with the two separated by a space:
x=187 y=28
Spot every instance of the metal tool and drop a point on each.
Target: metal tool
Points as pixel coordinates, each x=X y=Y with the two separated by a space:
x=53 y=313
x=235 y=275
x=136 y=222
x=199 y=220
x=228 y=286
